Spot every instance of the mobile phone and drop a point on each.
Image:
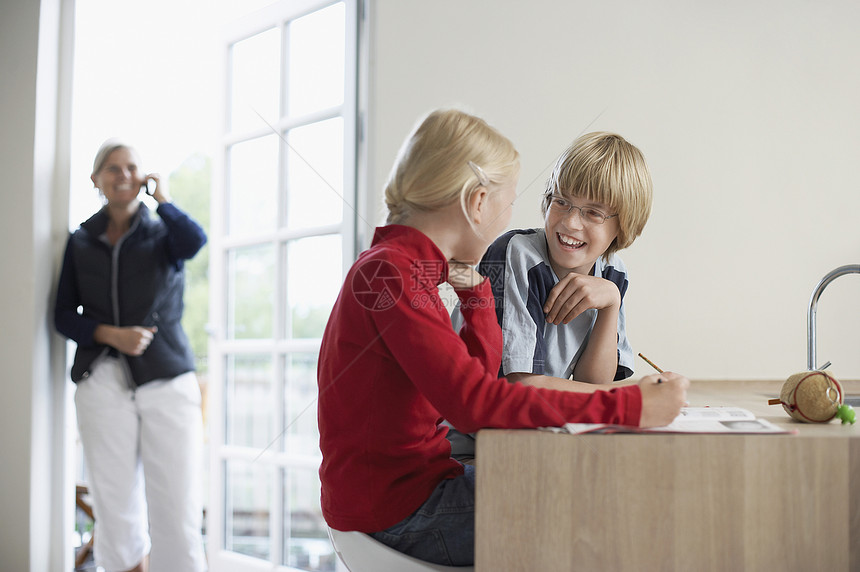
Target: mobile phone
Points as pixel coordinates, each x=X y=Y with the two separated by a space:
x=148 y=188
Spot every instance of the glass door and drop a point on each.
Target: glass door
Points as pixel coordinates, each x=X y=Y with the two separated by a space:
x=283 y=231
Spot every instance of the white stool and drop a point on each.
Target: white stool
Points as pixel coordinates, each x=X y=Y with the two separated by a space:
x=363 y=553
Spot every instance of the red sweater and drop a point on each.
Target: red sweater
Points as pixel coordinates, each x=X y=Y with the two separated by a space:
x=391 y=368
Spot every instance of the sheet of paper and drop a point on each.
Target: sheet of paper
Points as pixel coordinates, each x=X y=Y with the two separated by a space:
x=693 y=420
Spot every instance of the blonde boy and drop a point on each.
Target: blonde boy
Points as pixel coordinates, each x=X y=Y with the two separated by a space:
x=559 y=290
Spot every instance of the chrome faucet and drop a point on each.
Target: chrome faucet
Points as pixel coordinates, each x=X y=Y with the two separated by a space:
x=813 y=306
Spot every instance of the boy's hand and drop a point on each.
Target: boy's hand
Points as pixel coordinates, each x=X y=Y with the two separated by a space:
x=576 y=293
x=462 y=276
x=663 y=395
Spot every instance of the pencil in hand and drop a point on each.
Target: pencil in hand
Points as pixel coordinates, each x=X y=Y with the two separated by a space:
x=651 y=363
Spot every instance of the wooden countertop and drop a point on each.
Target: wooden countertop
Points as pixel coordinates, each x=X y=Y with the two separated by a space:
x=673 y=502
x=753 y=395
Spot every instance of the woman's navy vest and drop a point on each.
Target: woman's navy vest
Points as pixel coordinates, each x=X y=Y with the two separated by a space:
x=138 y=285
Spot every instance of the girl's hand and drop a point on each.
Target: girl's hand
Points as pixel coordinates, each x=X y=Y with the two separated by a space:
x=663 y=395
x=576 y=293
x=462 y=276
x=160 y=193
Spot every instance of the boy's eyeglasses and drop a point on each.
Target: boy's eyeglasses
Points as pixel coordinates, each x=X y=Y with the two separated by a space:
x=590 y=215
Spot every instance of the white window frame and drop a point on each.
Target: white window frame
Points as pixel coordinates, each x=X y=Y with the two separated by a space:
x=275 y=15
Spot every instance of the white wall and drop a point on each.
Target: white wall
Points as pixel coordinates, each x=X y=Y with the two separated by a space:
x=36 y=506
x=747 y=112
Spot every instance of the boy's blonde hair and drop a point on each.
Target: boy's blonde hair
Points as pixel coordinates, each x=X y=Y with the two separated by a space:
x=432 y=168
x=604 y=167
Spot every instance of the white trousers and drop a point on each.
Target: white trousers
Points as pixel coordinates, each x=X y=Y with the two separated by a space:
x=143 y=453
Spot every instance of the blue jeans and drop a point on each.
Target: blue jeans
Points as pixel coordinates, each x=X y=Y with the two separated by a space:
x=442 y=530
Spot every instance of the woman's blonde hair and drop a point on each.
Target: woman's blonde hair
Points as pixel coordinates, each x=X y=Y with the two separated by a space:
x=605 y=168
x=433 y=167
x=108 y=147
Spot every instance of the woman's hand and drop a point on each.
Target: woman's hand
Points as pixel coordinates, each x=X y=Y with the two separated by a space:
x=160 y=193
x=663 y=395
x=576 y=293
x=462 y=276
x=129 y=340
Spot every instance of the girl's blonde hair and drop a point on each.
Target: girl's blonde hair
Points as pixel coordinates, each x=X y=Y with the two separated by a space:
x=433 y=168
x=605 y=168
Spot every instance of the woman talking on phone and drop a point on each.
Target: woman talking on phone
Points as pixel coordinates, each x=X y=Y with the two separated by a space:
x=137 y=399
